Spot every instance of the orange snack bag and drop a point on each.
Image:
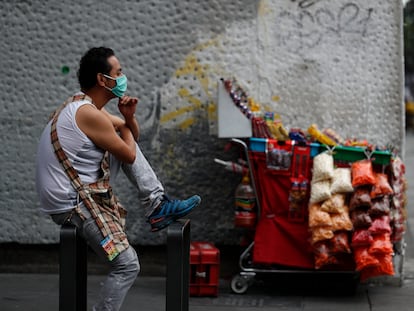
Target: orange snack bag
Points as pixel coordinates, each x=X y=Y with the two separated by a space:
x=362 y=173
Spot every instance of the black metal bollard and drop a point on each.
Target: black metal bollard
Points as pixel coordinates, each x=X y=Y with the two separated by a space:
x=72 y=270
x=178 y=265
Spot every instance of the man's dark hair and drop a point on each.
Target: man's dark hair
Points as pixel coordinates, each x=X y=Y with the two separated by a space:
x=93 y=62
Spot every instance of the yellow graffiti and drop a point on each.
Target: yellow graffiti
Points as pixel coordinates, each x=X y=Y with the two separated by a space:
x=196 y=103
x=186 y=124
x=275 y=98
x=184 y=93
x=212 y=111
x=172 y=115
x=191 y=67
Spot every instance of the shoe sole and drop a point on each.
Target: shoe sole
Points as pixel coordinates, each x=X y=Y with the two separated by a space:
x=169 y=219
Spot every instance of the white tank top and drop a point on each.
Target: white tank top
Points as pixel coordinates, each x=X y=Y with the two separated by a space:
x=54 y=188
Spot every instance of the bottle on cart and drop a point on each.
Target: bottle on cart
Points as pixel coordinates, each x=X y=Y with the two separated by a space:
x=245 y=204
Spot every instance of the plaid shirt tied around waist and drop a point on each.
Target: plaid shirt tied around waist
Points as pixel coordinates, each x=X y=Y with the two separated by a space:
x=98 y=197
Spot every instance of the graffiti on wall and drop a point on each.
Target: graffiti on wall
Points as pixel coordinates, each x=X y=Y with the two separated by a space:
x=303 y=4
x=194 y=91
x=305 y=29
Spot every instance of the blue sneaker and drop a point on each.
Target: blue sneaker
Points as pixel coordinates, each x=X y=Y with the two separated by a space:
x=171 y=210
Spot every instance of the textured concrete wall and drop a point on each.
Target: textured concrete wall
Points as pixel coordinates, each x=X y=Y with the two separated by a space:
x=337 y=63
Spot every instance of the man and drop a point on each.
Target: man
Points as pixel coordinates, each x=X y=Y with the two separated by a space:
x=80 y=152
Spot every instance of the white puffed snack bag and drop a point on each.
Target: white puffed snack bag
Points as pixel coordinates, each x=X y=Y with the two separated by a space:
x=320 y=191
x=341 y=181
x=323 y=167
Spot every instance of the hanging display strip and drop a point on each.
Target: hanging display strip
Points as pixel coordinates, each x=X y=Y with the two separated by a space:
x=340 y=153
x=352 y=154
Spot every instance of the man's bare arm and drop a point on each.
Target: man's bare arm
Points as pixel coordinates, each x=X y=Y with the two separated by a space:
x=99 y=128
x=129 y=115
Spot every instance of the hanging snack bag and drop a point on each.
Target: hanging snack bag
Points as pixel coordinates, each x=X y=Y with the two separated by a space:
x=360 y=219
x=385 y=267
x=381 y=245
x=381 y=187
x=335 y=204
x=360 y=198
x=341 y=181
x=380 y=207
x=323 y=167
x=381 y=225
x=323 y=255
x=341 y=221
x=320 y=234
x=318 y=218
x=340 y=243
x=316 y=134
x=362 y=173
x=364 y=259
x=362 y=237
x=320 y=191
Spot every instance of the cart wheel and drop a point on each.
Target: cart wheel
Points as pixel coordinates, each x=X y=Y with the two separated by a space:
x=239 y=284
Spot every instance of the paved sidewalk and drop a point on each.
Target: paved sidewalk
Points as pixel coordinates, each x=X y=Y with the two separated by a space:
x=39 y=292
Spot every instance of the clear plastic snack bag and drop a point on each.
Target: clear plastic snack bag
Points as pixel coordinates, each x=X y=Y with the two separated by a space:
x=320 y=191
x=323 y=167
x=341 y=181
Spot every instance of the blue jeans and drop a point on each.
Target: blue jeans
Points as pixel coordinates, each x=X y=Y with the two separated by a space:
x=125 y=267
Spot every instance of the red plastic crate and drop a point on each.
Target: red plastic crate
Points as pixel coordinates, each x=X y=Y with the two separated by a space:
x=204 y=269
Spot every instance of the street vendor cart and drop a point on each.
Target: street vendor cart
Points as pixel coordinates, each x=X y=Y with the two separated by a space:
x=300 y=228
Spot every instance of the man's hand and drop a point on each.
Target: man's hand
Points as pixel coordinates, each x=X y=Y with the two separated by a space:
x=127 y=106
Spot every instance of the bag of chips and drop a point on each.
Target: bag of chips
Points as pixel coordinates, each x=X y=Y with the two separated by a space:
x=341 y=221
x=341 y=181
x=381 y=225
x=362 y=237
x=381 y=187
x=381 y=245
x=320 y=234
x=360 y=219
x=323 y=167
x=385 y=267
x=340 y=243
x=380 y=207
x=362 y=173
x=318 y=218
x=320 y=191
x=363 y=259
x=360 y=198
x=323 y=256
x=335 y=204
